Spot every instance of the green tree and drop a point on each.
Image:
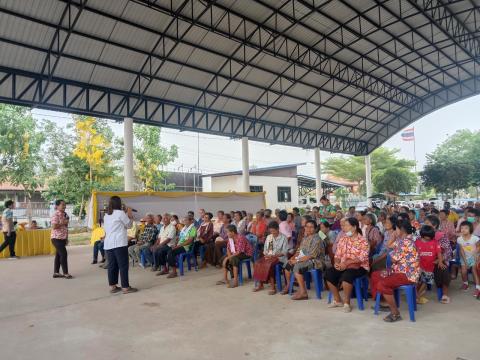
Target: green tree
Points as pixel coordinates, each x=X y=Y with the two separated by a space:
x=87 y=161
x=151 y=157
x=394 y=180
x=454 y=165
x=20 y=145
x=58 y=145
x=342 y=194
x=353 y=167
x=445 y=177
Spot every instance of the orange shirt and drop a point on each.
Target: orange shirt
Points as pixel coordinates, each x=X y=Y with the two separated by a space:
x=357 y=249
x=259 y=228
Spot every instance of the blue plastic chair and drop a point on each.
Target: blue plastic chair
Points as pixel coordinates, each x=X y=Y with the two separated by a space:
x=360 y=287
x=189 y=256
x=142 y=258
x=317 y=280
x=278 y=276
x=411 y=295
x=248 y=263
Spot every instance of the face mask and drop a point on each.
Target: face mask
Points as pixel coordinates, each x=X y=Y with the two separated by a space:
x=349 y=233
x=471 y=219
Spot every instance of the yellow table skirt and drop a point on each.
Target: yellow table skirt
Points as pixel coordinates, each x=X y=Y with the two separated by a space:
x=30 y=243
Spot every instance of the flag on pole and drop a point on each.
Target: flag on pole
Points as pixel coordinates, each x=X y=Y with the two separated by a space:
x=408 y=134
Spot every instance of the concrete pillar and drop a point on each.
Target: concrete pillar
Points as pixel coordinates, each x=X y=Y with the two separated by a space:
x=245 y=166
x=128 y=153
x=368 y=179
x=318 y=176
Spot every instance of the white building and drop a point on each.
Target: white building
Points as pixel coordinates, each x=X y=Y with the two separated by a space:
x=284 y=187
x=280 y=184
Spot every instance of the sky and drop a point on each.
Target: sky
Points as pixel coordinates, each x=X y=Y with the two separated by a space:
x=218 y=154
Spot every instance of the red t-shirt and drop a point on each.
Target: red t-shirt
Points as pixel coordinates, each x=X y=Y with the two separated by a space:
x=428 y=252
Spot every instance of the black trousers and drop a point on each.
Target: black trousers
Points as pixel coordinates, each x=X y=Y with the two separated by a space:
x=160 y=255
x=61 y=256
x=172 y=256
x=118 y=264
x=336 y=277
x=10 y=242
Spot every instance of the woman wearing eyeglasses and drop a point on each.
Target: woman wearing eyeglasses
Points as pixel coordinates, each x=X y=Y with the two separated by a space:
x=310 y=255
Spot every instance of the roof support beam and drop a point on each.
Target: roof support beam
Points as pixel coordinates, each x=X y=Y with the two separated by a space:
x=167 y=80
x=235 y=61
x=68 y=97
x=439 y=13
x=50 y=63
x=291 y=50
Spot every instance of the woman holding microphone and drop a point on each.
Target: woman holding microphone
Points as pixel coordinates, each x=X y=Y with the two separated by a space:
x=116 y=223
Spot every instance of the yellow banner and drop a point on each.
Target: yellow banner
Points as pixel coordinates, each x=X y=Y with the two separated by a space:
x=31 y=243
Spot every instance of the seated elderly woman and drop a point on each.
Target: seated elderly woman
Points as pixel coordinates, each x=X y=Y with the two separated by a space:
x=350 y=262
x=205 y=237
x=329 y=237
x=238 y=249
x=274 y=250
x=405 y=269
x=310 y=255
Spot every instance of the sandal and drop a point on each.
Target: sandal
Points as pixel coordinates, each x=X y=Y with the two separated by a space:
x=232 y=286
x=392 y=318
x=445 y=299
x=257 y=289
x=129 y=290
x=221 y=282
x=57 y=276
x=115 y=290
x=284 y=291
x=335 y=304
x=299 y=297
x=272 y=292
x=68 y=276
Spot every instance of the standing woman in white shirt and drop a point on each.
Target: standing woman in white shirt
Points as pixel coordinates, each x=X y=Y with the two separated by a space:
x=116 y=223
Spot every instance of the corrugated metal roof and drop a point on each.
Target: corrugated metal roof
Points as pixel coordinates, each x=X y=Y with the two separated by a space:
x=355 y=72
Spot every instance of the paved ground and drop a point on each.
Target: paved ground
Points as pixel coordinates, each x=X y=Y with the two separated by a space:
x=191 y=318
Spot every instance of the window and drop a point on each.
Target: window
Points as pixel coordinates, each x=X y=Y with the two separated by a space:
x=256 y=188
x=284 y=193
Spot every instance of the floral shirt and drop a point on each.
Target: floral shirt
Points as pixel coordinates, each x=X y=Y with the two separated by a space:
x=61 y=232
x=241 y=245
x=448 y=228
x=405 y=258
x=442 y=239
x=349 y=248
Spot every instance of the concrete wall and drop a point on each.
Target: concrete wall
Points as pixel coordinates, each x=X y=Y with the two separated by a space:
x=269 y=183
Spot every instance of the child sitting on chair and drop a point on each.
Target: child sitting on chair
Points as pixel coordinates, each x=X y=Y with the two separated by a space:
x=430 y=253
x=468 y=247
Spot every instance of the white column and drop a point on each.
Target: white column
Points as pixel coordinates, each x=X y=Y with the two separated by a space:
x=245 y=166
x=318 y=176
x=368 y=179
x=128 y=153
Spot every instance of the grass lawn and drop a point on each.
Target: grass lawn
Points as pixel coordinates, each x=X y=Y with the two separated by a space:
x=81 y=238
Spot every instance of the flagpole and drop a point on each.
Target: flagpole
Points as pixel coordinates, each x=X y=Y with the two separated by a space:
x=414 y=150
